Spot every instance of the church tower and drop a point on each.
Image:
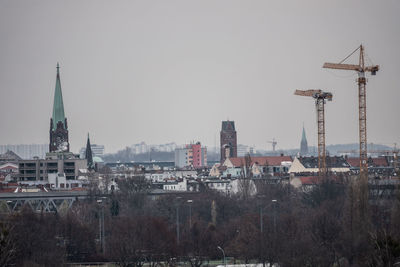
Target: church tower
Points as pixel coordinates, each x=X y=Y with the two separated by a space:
x=89 y=155
x=303 y=144
x=228 y=140
x=58 y=122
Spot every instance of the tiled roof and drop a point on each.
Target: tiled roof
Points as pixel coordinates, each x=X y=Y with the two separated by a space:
x=310 y=180
x=7 y=190
x=8 y=166
x=380 y=162
x=353 y=162
x=261 y=161
x=372 y=162
x=331 y=162
x=9 y=155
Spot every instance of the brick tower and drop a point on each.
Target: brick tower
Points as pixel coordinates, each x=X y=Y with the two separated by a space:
x=228 y=140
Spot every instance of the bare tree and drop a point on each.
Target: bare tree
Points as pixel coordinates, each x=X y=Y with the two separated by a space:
x=7 y=246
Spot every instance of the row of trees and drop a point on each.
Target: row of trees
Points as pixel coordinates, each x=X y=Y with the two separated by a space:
x=318 y=227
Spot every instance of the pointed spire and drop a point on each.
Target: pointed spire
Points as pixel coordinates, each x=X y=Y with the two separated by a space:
x=58 y=105
x=89 y=155
x=303 y=143
x=303 y=136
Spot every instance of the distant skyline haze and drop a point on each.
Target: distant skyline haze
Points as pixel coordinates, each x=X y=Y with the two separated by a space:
x=172 y=71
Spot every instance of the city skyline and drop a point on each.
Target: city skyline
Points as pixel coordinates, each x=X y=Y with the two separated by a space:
x=161 y=80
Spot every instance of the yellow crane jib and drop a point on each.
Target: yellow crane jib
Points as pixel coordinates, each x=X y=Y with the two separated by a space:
x=362 y=102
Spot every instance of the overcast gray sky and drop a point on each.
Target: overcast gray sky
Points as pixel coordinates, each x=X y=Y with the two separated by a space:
x=163 y=71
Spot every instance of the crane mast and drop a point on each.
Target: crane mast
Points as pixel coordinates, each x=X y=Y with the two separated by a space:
x=362 y=111
x=362 y=103
x=320 y=106
x=320 y=98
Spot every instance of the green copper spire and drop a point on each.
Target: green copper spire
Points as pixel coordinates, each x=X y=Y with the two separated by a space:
x=58 y=105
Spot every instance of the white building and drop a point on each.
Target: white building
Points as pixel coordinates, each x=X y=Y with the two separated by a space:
x=176 y=186
x=158 y=177
x=182 y=157
x=310 y=165
x=192 y=155
x=232 y=186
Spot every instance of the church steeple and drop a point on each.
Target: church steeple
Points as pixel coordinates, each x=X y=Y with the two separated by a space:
x=88 y=154
x=58 y=122
x=58 y=104
x=303 y=144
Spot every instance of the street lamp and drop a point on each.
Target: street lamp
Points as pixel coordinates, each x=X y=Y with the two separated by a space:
x=274 y=201
x=177 y=219
x=190 y=213
x=260 y=198
x=101 y=225
x=223 y=253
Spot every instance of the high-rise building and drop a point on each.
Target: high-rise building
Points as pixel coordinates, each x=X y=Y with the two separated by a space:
x=228 y=140
x=192 y=155
x=303 y=144
x=58 y=122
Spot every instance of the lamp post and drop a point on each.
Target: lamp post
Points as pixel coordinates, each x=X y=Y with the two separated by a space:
x=274 y=203
x=101 y=225
x=190 y=201
x=260 y=198
x=223 y=253
x=177 y=220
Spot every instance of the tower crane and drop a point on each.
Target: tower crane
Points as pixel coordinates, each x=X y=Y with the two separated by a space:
x=274 y=143
x=361 y=69
x=320 y=98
